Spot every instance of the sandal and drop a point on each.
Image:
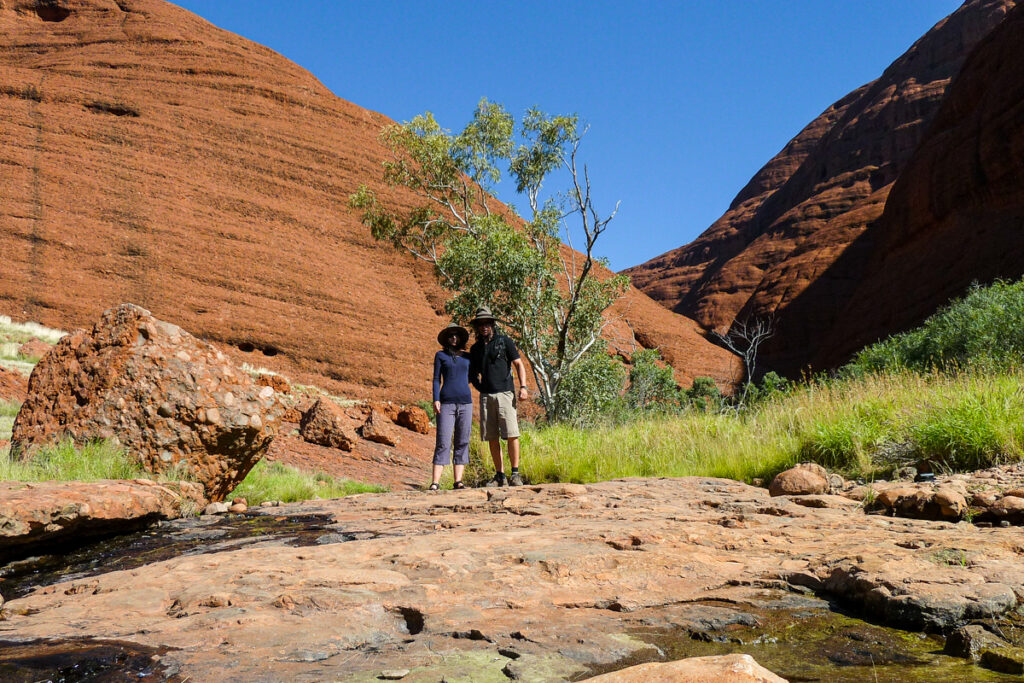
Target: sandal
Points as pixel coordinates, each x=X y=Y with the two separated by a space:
x=434 y=487
x=458 y=485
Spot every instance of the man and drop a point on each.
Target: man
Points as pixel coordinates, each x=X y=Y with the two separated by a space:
x=491 y=359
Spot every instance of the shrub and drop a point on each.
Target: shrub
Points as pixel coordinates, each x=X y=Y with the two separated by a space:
x=984 y=327
x=651 y=386
x=704 y=395
x=591 y=388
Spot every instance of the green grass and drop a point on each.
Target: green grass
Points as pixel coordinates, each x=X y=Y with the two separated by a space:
x=274 y=481
x=65 y=462
x=8 y=411
x=863 y=427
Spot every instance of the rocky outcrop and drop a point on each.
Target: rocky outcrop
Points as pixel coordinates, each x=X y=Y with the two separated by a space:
x=538 y=582
x=327 y=424
x=717 y=669
x=378 y=428
x=50 y=514
x=172 y=401
x=794 y=244
x=210 y=180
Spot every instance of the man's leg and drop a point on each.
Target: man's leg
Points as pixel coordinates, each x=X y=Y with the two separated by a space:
x=513 y=452
x=495 y=446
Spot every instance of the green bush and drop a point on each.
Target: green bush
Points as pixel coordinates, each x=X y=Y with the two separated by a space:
x=985 y=327
x=651 y=386
x=590 y=389
x=703 y=395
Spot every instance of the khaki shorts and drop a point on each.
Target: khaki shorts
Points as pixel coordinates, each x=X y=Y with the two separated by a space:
x=498 y=416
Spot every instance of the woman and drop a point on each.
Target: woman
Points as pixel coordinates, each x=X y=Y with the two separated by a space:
x=453 y=404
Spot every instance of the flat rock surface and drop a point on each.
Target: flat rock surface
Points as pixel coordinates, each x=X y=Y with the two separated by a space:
x=538 y=582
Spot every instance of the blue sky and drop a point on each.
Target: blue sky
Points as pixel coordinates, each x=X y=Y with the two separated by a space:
x=685 y=99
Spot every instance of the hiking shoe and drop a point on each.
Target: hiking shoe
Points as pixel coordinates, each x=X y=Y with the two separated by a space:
x=434 y=487
x=515 y=480
x=499 y=480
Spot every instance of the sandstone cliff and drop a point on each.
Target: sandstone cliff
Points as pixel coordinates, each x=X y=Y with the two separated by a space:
x=789 y=246
x=956 y=214
x=152 y=158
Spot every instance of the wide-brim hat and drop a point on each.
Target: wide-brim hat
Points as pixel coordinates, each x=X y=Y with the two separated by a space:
x=483 y=314
x=458 y=329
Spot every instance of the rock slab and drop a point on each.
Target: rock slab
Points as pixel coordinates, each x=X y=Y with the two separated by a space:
x=42 y=513
x=720 y=669
x=173 y=401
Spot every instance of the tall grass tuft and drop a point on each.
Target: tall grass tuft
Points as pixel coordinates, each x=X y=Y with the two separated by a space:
x=66 y=462
x=274 y=481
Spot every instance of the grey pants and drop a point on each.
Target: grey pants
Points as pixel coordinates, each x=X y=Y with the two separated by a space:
x=455 y=420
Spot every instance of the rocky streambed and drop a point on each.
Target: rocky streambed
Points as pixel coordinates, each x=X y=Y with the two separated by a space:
x=551 y=582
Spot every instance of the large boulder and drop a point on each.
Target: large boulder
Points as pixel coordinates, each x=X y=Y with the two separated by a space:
x=805 y=479
x=415 y=419
x=379 y=428
x=326 y=424
x=170 y=399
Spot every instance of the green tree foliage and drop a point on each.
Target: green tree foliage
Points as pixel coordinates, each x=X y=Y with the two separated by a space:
x=986 y=326
x=704 y=395
x=591 y=389
x=546 y=297
x=651 y=386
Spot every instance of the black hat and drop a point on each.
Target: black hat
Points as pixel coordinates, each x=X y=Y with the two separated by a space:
x=483 y=314
x=463 y=333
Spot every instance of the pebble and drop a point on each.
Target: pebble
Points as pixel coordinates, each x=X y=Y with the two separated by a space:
x=393 y=675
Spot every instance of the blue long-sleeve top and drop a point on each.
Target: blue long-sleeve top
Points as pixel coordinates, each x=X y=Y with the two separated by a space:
x=451 y=378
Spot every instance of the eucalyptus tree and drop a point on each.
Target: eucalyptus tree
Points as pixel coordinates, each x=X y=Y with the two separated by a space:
x=547 y=296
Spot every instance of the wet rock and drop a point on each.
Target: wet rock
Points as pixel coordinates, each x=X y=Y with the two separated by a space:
x=1007 y=660
x=737 y=668
x=326 y=424
x=404 y=572
x=804 y=479
x=969 y=641
x=44 y=513
x=378 y=428
x=415 y=419
x=170 y=399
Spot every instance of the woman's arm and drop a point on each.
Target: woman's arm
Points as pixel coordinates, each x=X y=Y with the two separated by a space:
x=437 y=382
